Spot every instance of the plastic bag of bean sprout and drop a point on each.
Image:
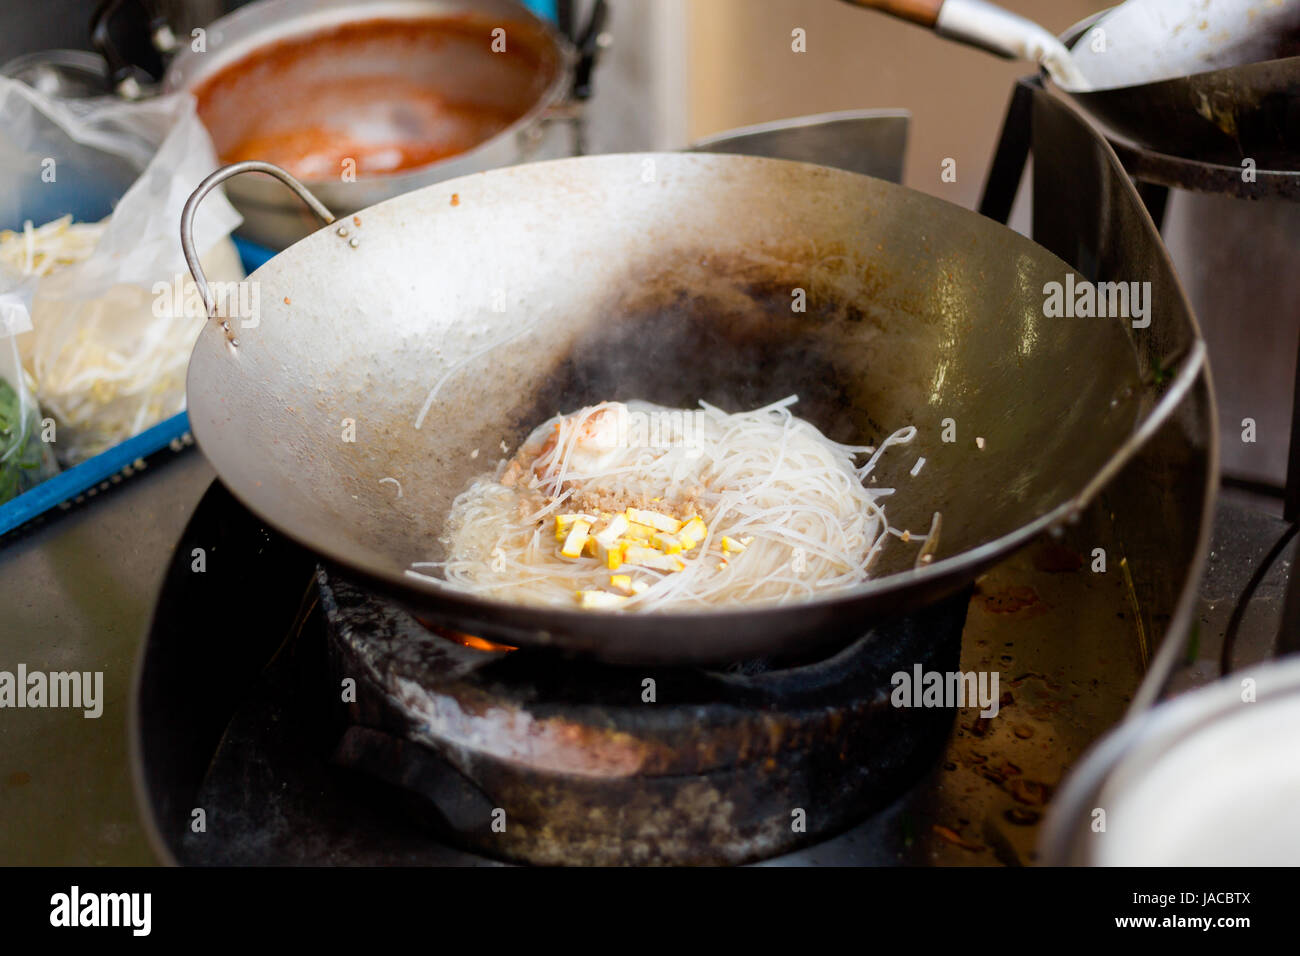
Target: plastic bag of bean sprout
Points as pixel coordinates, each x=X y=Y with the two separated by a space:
x=89 y=248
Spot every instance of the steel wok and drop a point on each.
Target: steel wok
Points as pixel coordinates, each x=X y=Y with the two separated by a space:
x=1248 y=110
x=1212 y=82
x=392 y=346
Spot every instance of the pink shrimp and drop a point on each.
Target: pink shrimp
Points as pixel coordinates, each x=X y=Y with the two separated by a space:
x=599 y=432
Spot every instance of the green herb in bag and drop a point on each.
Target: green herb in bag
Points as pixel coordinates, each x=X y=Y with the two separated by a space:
x=25 y=460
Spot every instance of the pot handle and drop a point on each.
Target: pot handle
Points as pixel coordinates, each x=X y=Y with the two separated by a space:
x=587 y=42
x=192 y=204
x=123 y=74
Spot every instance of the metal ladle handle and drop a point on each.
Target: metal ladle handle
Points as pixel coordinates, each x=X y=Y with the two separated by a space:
x=192 y=204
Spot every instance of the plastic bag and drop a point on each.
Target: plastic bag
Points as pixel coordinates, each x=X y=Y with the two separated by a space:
x=105 y=353
x=25 y=458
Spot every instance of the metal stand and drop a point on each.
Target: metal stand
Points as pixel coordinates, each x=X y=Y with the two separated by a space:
x=1154 y=174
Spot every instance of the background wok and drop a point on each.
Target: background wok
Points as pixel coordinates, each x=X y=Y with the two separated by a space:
x=1213 y=82
x=1216 y=115
x=529 y=290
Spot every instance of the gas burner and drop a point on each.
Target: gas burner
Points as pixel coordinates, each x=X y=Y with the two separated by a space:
x=529 y=756
x=255 y=733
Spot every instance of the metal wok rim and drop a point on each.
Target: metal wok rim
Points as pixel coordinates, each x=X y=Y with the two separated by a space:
x=1073 y=34
x=798 y=122
x=542 y=620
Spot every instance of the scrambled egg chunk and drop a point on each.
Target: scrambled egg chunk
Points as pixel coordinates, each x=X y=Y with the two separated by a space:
x=632 y=538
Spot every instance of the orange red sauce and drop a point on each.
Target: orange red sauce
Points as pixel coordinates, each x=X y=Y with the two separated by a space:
x=379 y=96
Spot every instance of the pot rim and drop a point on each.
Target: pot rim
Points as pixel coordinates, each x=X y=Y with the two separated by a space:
x=1064 y=840
x=258 y=27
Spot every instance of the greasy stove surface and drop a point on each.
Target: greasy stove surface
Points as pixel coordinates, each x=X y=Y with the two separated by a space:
x=238 y=738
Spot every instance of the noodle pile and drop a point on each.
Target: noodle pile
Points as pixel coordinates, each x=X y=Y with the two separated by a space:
x=787 y=516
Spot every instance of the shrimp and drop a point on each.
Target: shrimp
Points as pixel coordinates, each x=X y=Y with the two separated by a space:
x=583 y=442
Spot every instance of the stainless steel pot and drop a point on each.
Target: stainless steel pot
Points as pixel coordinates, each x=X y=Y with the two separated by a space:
x=256 y=77
x=1210 y=778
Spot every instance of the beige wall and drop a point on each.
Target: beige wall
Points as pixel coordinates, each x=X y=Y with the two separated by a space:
x=741 y=70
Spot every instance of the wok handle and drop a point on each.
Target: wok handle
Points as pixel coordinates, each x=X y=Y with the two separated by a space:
x=988 y=27
x=192 y=205
x=923 y=12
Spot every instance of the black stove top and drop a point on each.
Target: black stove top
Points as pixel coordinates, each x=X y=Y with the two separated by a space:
x=339 y=728
x=285 y=715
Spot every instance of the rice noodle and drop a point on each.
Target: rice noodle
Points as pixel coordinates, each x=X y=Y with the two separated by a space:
x=797 y=498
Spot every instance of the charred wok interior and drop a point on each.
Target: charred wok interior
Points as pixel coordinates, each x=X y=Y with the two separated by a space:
x=1219 y=116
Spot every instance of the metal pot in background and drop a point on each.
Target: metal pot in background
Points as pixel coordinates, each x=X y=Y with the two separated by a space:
x=1178 y=76
x=373 y=107
x=1210 y=778
x=871 y=142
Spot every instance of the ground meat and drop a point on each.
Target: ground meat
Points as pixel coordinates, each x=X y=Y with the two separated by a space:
x=519 y=466
x=597 y=500
x=514 y=471
x=518 y=474
x=529 y=504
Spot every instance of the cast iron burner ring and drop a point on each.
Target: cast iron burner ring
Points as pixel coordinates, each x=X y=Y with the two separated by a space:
x=530 y=756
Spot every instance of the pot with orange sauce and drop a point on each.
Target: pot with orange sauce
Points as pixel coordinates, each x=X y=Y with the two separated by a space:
x=364 y=101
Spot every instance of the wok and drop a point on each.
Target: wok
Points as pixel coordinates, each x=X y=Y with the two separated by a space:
x=457 y=317
x=1217 y=82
